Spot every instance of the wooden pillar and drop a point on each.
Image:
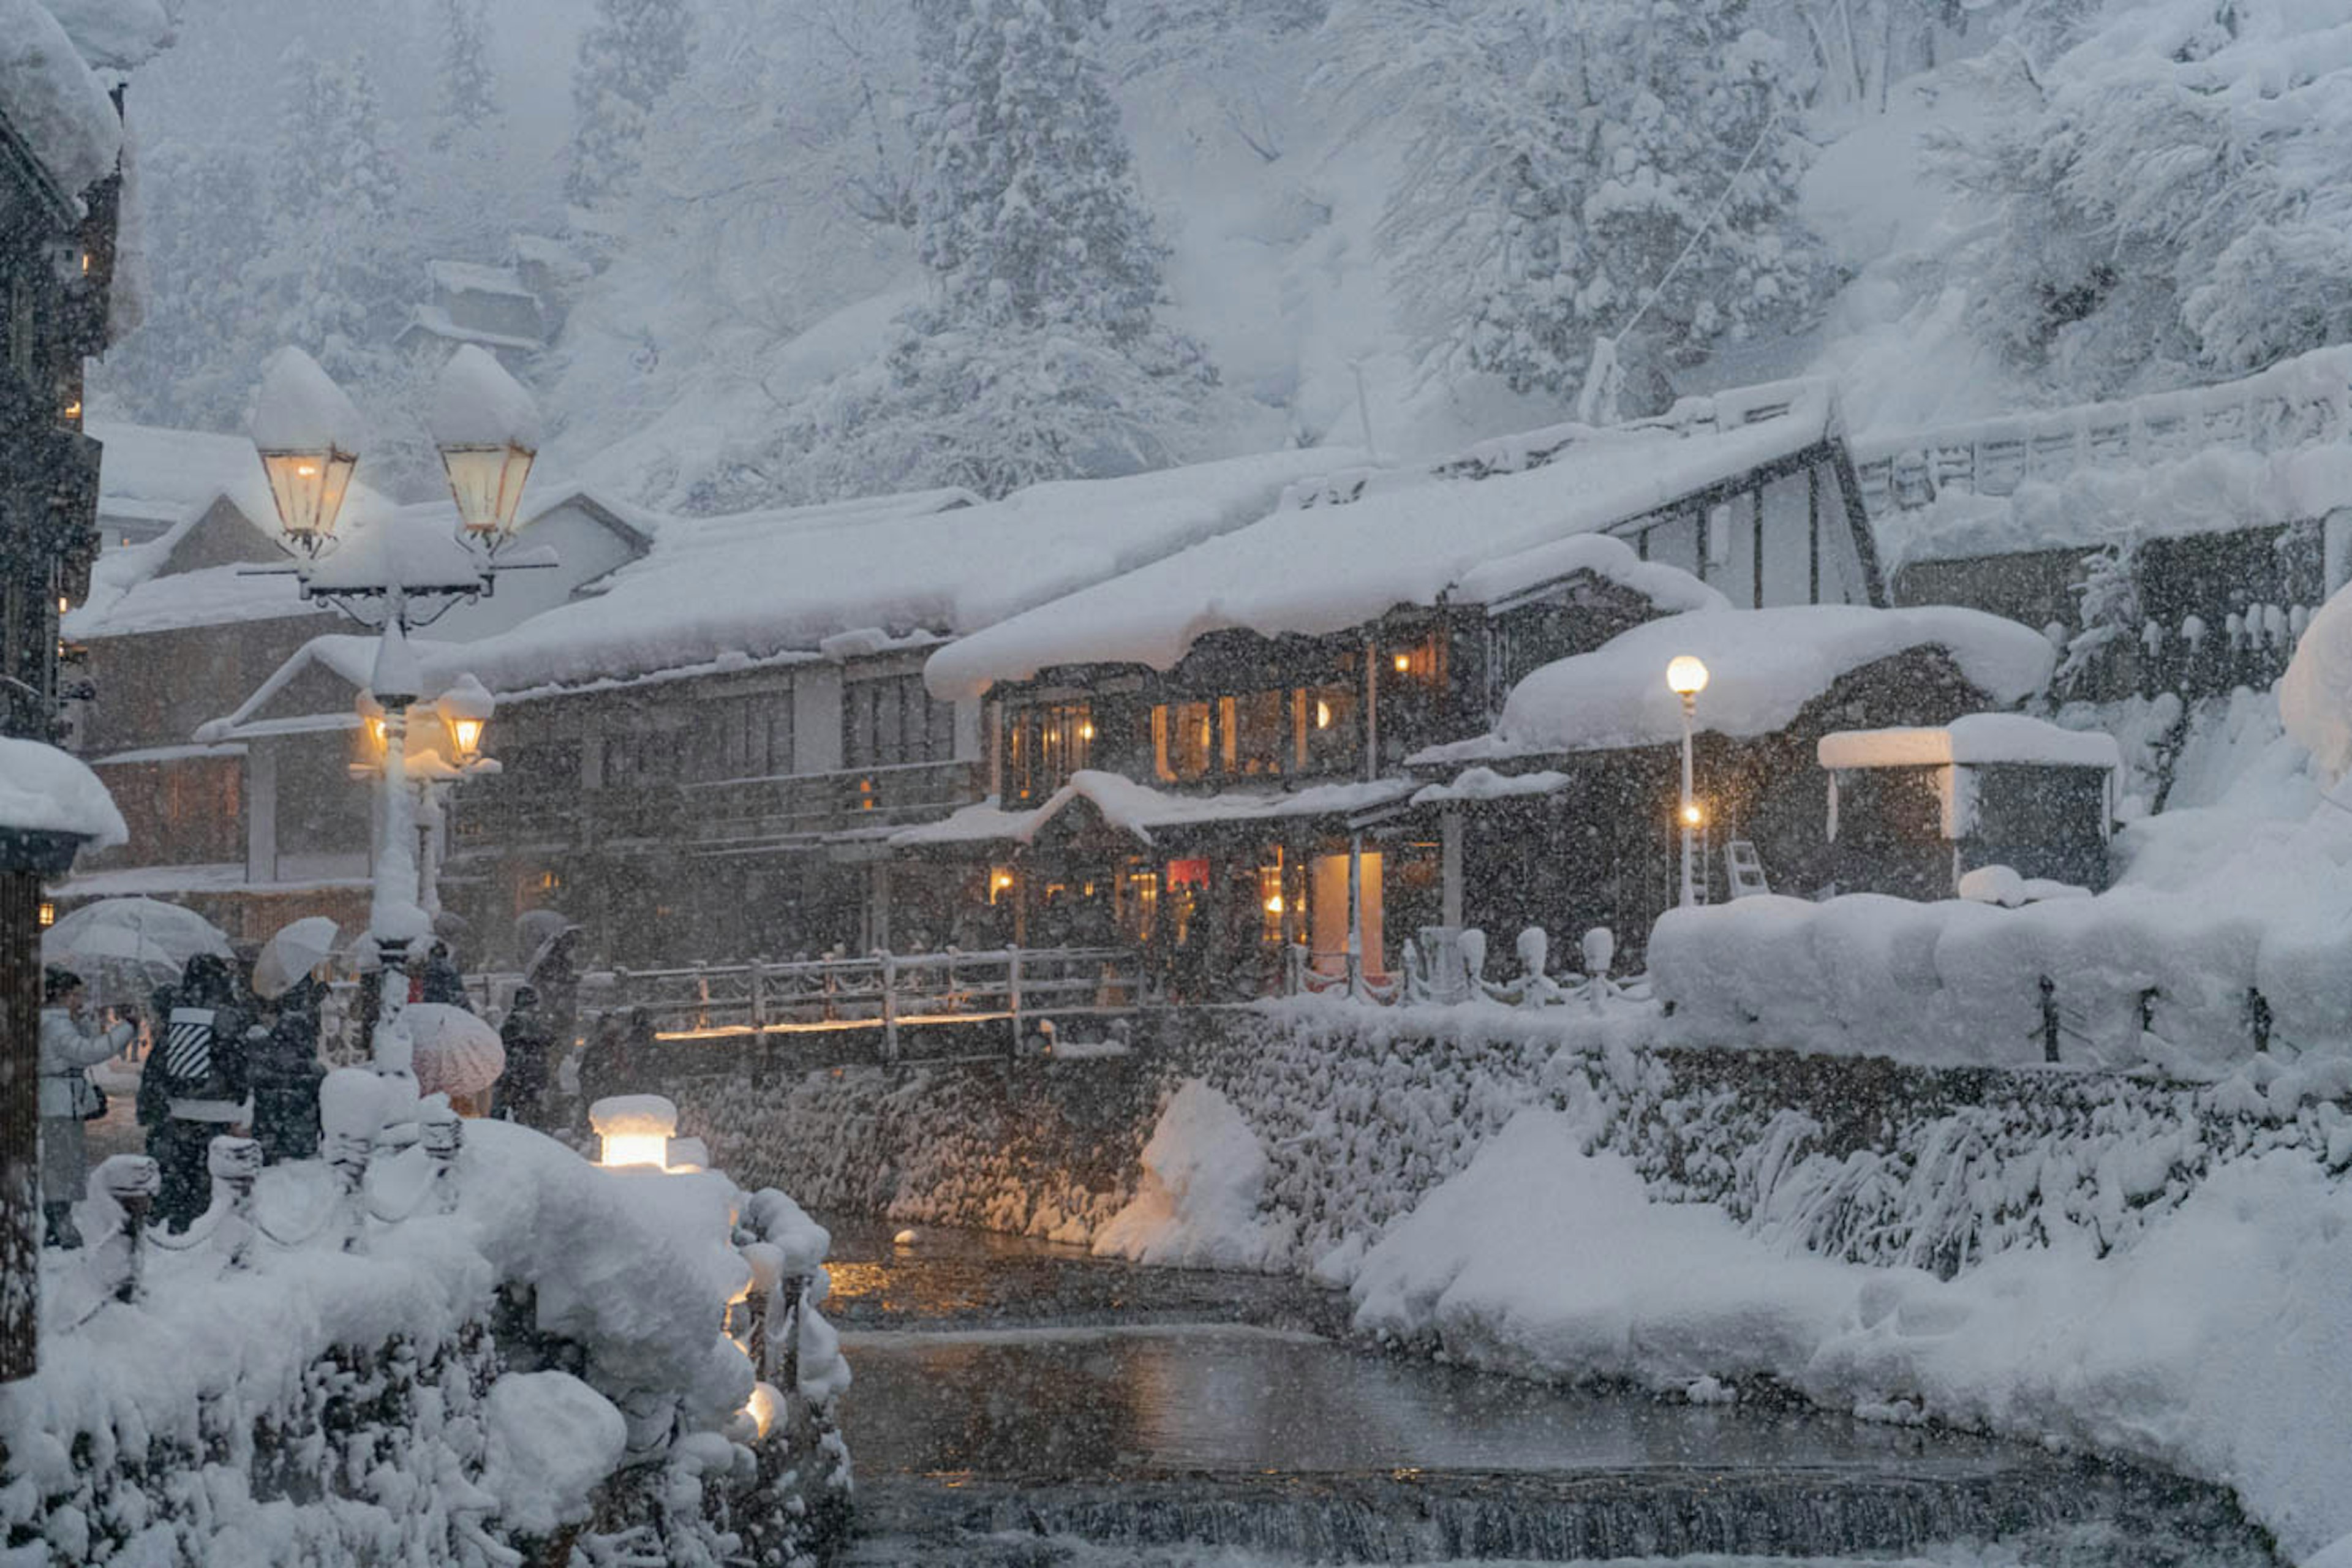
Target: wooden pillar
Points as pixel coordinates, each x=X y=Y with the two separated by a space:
x=1450 y=864
x=20 y=1066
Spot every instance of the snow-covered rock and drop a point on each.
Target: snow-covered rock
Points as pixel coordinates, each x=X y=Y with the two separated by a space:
x=477 y=404
x=1203 y=1180
x=550 y=1440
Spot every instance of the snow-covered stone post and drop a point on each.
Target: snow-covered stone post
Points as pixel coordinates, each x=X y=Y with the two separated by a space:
x=442 y=1134
x=351 y=1113
x=235 y=1165
x=130 y=1181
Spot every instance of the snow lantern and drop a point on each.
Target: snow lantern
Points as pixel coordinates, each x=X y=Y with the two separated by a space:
x=488 y=430
x=636 y=1129
x=307 y=432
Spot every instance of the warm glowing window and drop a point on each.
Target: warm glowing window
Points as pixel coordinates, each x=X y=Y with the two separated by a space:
x=1138 y=904
x=1273 y=908
x=1182 y=739
x=1329 y=733
x=1259 y=732
x=1417 y=662
x=1049 y=743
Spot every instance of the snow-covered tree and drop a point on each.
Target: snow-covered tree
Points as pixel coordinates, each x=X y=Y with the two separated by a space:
x=2168 y=199
x=1568 y=161
x=631 y=55
x=339 y=269
x=191 y=360
x=2109 y=612
x=1027 y=216
x=464 y=93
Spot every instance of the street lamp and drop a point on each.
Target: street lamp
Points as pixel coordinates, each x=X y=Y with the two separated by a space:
x=308 y=434
x=1686 y=677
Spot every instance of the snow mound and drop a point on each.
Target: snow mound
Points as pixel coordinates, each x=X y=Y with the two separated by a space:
x=2315 y=696
x=551 y=1439
x=2214 y=1345
x=53 y=102
x=1203 y=1177
x=298 y=408
x=44 y=790
x=477 y=404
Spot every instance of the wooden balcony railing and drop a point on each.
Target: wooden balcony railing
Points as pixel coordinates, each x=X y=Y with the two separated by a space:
x=779 y=810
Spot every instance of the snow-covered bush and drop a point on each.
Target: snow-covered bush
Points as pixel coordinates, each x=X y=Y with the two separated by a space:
x=419 y=1382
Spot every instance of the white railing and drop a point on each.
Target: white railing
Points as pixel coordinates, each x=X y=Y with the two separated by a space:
x=2301 y=402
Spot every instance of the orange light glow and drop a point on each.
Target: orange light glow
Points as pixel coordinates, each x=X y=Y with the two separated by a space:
x=1086 y=730
x=1403 y=662
x=1693 y=815
x=49 y=914
x=1322 y=714
x=73 y=409
x=1274 y=905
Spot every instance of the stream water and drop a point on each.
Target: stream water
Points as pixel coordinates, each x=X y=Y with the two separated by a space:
x=1021 y=1404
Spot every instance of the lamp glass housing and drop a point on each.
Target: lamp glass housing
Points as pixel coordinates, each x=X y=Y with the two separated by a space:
x=487 y=484
x=1685 y=676
x=464 y=738
x=308 y=488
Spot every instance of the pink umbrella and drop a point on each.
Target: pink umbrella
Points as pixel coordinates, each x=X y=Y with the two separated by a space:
x=456 y=1053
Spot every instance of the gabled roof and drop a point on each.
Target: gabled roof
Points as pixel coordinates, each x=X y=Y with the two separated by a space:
x=473 y=278
x=1499 y=519
x=434 y=321
x=757 y=586
x=1138 y=809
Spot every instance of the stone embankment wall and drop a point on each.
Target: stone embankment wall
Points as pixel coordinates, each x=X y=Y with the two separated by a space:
x=1361 y=1111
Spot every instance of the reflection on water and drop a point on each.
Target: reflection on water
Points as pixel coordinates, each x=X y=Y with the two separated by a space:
x=1065 y=1405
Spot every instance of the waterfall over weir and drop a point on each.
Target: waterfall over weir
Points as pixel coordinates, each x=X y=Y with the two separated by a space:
x=1018 y=1406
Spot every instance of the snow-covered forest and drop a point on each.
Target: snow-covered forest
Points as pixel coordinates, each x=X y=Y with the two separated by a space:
x=804 y=242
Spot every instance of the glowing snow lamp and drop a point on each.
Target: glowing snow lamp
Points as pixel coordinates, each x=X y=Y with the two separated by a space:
x=308 y=434
x=488 y=430
x=466 y=709
x=636 y=1129
x=1685 y=676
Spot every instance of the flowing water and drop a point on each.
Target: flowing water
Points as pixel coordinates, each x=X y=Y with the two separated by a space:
x=1019 y=1403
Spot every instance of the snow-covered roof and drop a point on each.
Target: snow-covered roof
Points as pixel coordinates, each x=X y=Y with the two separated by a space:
x=437 y=322
x=752 y=588
x=1138 y=808
x=44 y=790
x=473 y=278
x=1497 y=522
x=115 y=35
x=50 y=98
x=348 y=656
x=1973 y=738
x=1763 y=666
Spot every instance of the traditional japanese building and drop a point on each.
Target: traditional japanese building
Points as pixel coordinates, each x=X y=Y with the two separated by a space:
x=1211 y=754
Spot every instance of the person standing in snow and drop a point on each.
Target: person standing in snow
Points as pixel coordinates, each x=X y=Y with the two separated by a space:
x=444 y=982
x=200 y=1063
x=522 y=1088
x=285 y=1073
x=70 y=1045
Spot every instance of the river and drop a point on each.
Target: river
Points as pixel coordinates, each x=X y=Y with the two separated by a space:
x=1018 y=1402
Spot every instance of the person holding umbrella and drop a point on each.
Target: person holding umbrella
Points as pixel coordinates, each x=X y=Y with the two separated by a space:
x=283 y=1066
x=70 y=1045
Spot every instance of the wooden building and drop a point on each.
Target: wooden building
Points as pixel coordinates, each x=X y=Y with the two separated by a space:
x=1209 y=755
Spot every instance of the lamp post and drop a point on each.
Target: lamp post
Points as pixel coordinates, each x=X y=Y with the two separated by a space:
x=1686 y=677
x=446 y=746
x=308 y=434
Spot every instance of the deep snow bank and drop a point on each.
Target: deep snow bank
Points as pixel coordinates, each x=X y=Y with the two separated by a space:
x=1203 y=1182
x=2216 y=1345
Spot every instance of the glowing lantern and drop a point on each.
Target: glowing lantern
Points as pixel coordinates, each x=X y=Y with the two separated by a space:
x=1685 y=676
x=486 y=429
x=636 y=1129
x=306 y=430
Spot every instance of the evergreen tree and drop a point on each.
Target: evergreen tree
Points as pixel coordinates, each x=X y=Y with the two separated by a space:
x=1026 y=214
x=464 y=94
x=338 y=265
x=630 y=58
x=1568 y=160
x=191 y=359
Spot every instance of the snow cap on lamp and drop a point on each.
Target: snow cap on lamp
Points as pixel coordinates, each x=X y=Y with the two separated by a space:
x=488 y=429
x=309 y=435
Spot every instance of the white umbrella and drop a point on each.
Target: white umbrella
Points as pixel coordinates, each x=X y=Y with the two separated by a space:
x=121 y=947
x=292 y=953
x=456 y=1053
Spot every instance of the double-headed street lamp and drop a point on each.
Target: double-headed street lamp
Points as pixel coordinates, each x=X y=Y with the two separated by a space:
x=394 y=580
x=1686 y=677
